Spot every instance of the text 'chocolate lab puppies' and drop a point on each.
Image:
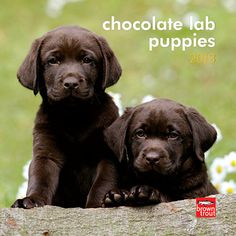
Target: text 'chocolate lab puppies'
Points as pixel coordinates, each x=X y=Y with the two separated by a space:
x=72 y=167
x=161 y=146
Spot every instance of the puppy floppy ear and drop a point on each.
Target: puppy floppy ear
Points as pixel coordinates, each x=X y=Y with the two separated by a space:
x=204 y=135
x=111 y=67
x=115 y=134
x=28 y=73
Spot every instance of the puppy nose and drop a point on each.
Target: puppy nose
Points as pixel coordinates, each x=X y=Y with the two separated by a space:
x=70 y=83
x=152 y=158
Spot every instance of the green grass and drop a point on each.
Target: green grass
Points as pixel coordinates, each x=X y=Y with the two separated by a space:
x=161 y=73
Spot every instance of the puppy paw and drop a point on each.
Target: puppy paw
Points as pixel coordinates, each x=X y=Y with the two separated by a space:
x=29 y=202
x=115 y=197
x=143 y=195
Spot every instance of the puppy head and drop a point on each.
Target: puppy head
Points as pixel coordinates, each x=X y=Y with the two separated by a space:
x=69 y=62
x=159 y=136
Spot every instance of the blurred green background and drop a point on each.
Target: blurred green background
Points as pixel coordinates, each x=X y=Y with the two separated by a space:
x=208 y=87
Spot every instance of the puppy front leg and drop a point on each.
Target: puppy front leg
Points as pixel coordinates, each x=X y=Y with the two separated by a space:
x=105 y=180
x=43 y=173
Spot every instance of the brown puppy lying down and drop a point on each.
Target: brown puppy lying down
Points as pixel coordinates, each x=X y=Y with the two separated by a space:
x=72 y=167
x=161 y=146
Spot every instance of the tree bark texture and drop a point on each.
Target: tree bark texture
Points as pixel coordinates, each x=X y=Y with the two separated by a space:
x=174 y=218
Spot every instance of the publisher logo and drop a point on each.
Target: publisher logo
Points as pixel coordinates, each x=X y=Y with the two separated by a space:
x=206 y=207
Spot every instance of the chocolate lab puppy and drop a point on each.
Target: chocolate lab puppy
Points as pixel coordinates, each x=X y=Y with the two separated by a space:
x=161 y=146
x=72 y=167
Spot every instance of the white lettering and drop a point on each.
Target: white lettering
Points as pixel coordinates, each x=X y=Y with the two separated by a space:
x=153 y=43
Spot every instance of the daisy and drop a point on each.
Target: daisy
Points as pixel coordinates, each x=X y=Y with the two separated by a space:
x=22 y=190
x=219 y=138
x=228 y=187
x=26 y=170
x=217 y=185
x=147 y=98
x=219 y=134
x=186 y=18
x=218 y=170
x=230 y=161
x=23 y=187
x=230 y=5
x=117 y=100
x=55 y=7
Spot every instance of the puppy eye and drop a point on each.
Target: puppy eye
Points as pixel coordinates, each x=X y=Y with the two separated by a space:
x=140 y=133
x=53 y=61
x=87 y=60
x=173 y=135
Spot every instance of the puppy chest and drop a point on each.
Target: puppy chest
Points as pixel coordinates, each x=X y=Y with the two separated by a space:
x=74 y=185
x=80 y=146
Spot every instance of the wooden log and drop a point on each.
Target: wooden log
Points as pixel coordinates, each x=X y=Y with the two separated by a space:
x=174 y=218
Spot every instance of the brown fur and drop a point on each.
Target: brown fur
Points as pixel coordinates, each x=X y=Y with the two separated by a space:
x=72 y=166
x=161 y=146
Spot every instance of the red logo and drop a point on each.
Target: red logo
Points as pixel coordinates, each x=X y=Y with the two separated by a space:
x=206 y=207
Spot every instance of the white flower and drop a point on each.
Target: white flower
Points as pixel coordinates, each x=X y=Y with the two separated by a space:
x=147 y=98
x=183 y=2
x=26 y=169
x=117 y=100
x=228 y=187
x=219 y=138
x=186 y=18
x=218 y=170
x=217 y=185
x=206 y=154
x=230 y=5
x=23 y=187
x=153 y=12
x=168 y=73
x=219 y=134
x=22 y=190
x=230 y=161
x=149 y=81
x=54 y=7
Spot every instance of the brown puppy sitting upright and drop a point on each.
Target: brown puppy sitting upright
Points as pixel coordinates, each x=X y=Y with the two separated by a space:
x=71 y=67
x=161 y=146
